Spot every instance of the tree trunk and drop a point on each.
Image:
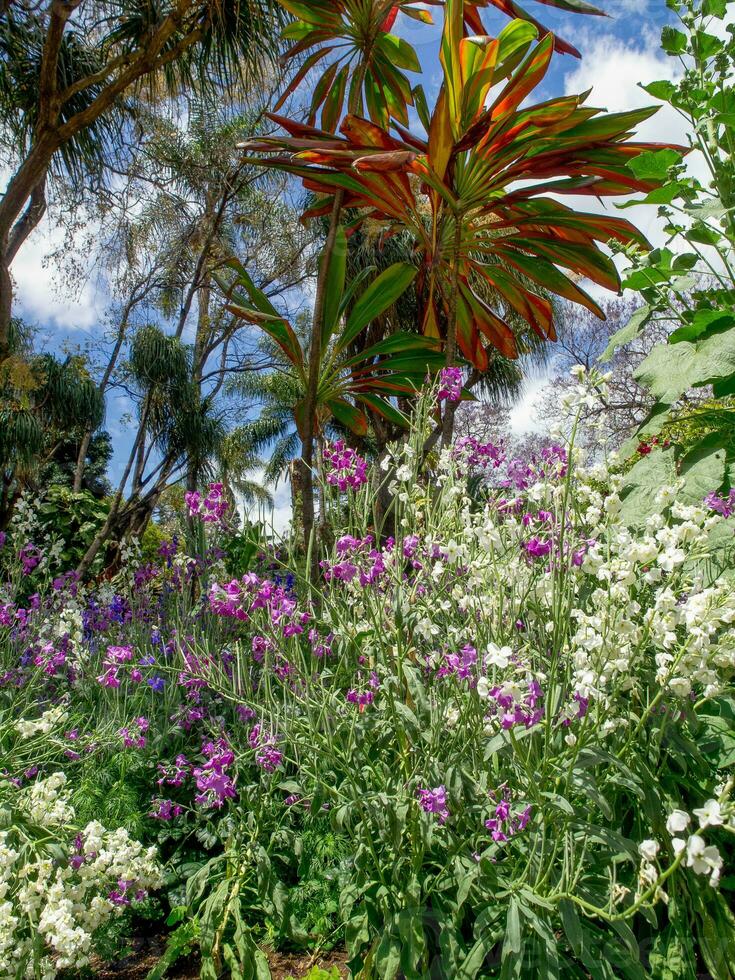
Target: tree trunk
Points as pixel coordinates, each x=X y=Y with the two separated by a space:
x=6 y=306
x=81 y=460
x=451 y=346
x=310 y=400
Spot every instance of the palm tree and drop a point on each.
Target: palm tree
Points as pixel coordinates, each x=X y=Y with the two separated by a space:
x=70 y=72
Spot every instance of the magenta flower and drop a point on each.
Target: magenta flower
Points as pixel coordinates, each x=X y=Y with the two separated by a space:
x=451 y=384
x=434 y=801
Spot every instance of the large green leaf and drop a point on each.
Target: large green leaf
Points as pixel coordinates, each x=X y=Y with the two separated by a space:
x=703 y=468
x=632 y=329
x=380 y=295
x=642 y=483
x=670 y=369
x=348 y=415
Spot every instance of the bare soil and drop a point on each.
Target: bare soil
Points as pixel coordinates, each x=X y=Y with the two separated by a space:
x=146 y=951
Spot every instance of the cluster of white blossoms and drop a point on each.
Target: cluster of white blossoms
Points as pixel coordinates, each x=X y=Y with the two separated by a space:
x=685 y=623
x=46 y=801
x=64 y=894
x=51 y=719
x=692 y=850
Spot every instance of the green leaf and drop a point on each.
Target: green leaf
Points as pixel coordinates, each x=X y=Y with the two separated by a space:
x=660 y=90
x=632 y=329
x=672 y=41
x=703 y=467
x=512 y=943
x=702 y=322
x=654 y=165
x=400 y=52
x=348 y=415
x=701 y=233
x=643 y=481
x=421 y=106
x=379 y=296
x=670 y=369
x=571 y=924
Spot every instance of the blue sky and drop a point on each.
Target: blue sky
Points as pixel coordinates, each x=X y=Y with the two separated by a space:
x=618 y=51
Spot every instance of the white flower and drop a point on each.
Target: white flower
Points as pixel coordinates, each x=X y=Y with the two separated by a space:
x=403 y=473
x=681 y=686
x=648 y=849
x=702 y=859
x=678 y=822
x=709 y=815
x=483 y=687
x=452 y=716
x=498 y=656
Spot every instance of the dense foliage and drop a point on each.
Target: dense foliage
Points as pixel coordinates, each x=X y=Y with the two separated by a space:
x=496 y=744
x=473 y=714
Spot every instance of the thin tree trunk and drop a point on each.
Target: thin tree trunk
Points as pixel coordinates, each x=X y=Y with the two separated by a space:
x=81 y=459
x=104 y=531
x=450 y=407
x=6 y=306
x=315 y=354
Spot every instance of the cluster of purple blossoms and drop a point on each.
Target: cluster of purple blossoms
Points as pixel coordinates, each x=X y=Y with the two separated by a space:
x=267 y=756
x=127 y=892
x=52 y=658
x=344 y=469
x=321 y=646
x=721 y=505
x=515 y=706
x=451 y=384
x=478 y=455
x=133 y=736
x=211 y=509
x=30 y=557
x=240 y=599
x=537 y=547
x=165 y=809
x=213 y=781
x=175 y=774
x=113 y=661
x=362 y=698
x=358 y=558
x=434 y=801
x=461 y=664
x=550 y=463
x=504 y=824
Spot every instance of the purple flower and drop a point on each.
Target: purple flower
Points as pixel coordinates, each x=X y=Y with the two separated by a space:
x=451 y=384
x=343 y=467
x=721 y=505
x=156 y=683
x=434 y=801
x=537 y=548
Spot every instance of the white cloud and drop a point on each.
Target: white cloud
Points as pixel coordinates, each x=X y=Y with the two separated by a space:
x=43 y=294
x=523 y=414
x=277 y=517
x=615 y=70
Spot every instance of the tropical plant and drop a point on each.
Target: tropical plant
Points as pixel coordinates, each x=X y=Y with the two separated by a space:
x=366 y=62
x=690 y=283
x=346 y=383
x=68 y=71
x=458 y=191
x=44 y=403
